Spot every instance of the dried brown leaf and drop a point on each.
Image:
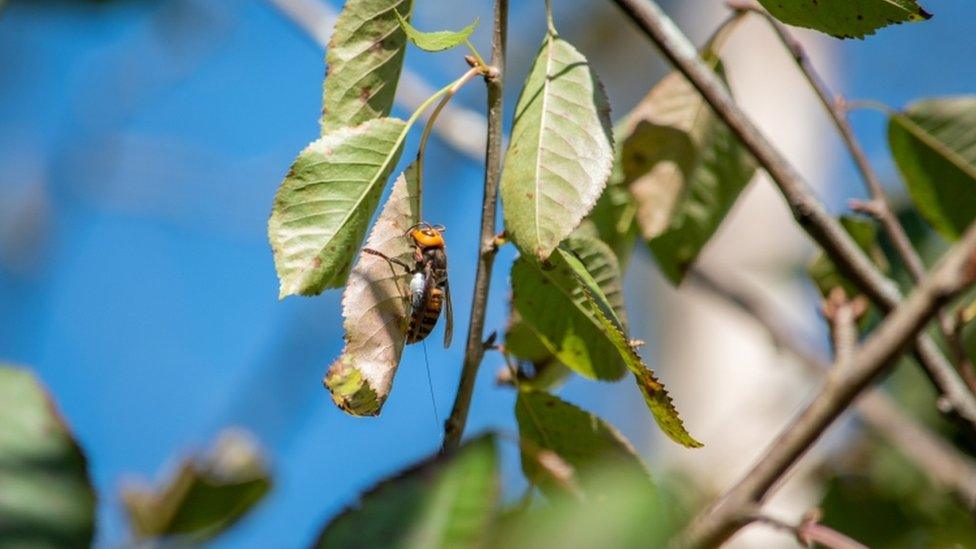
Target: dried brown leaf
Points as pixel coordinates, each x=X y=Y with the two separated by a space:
x=375 y=309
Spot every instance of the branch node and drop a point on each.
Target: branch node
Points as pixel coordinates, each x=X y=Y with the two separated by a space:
x=872 y=207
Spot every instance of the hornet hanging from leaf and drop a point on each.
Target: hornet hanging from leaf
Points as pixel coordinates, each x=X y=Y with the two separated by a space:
x=429 y=288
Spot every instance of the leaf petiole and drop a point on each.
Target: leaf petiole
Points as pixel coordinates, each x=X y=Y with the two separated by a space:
x=444 y=94
x=474 y=51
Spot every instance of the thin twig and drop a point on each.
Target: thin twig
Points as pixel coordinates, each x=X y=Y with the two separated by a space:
x=879 y=206
x=809 y=532
x=847 y=379
x=807 y=209
x=463 y=129
x=842 y=314
x=940 y=461
x=475 y=349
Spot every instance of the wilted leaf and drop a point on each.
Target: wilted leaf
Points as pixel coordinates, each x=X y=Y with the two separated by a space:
x=550 y=299
x=845 y=18
x=934 y=145
x=46 y=497
x=824 y=273
x=206 y=496
x=364 y=58
x=375 y=309
x=655 y=395
x=436 y=40
x=580 y=438
x=560 y=152
x=685 y=170
x=447 y=501
x=325 y=203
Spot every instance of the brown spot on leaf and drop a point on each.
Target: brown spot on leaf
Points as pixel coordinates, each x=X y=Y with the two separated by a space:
x=364 y=94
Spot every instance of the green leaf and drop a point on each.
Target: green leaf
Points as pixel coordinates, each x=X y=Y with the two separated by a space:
x=825 y=274
x=207 y=495
x=436 y=40
x=580 y=438
x=845 y=18
x=632 y=514
x=560 y=152
x=685 y=170
x=375 y=308
x=551 y=299
x=364 y=58
x=46 y=497
x=525 y=343
x=601 y=263
x=447 y=501
x=655 y=395
x=324 y=205
x=934 y=146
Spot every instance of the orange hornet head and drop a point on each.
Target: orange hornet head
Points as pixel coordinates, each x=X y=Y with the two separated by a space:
x=428 y=236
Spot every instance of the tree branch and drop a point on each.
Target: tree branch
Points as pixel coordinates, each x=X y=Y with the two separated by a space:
x=462 y=129
x=879 y=206
x=807 y=210
x=940 y=461
x=475 y=348
x=847 y=379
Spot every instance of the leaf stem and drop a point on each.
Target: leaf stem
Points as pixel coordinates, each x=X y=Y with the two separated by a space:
x=446 y=94
x=880 y=206
x=475 y=349
x=550 y=25
x=474 y=52
x=808 y=211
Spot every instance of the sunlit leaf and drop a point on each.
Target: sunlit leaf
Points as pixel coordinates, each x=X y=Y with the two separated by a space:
x=845 y=18
x=825 y=274
x=46 y=497
x=550 y=298
x=685 y=170
x=560 y=152
x=655 y=395
x=447 y=501
x=324 y=205
x=374 y=309
x=934 y=145
x=436 y=40
x=580 y=438
x=363 y=62
x=205 y=496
